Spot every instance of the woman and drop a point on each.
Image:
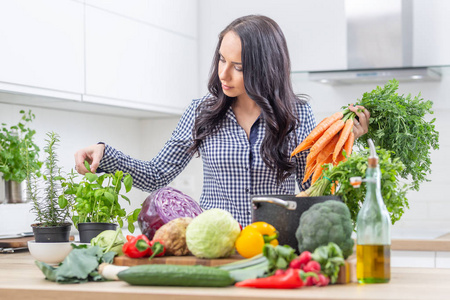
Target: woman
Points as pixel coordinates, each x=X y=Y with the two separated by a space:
x=244 y=130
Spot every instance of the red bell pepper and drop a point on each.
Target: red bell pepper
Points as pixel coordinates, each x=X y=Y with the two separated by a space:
x=136 y=246
x=156 y=248
x=289 y=280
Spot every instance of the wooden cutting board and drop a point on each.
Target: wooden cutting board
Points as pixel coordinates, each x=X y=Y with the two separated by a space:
x=347 y=273
x=20 y=242
x=16 y=242
x=175 y=260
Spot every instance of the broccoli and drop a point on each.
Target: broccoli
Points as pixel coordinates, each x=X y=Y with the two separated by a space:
x=325 y=222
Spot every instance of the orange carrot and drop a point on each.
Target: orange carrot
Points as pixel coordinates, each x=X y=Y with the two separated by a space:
x=339 y=158
x=316 y=133
x=343 y=138
x=309 y=170
x=319 y=168
x=333 y=187
x=328 y=149
x=348 y=146
x=325 y=139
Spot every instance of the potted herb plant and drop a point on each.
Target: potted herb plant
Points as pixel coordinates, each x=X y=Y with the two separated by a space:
x=18 y=154
x=49 y=204
x=96 y=206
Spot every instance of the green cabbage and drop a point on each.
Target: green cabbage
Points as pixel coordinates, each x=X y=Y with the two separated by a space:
x=212 y=234
x=110 y=240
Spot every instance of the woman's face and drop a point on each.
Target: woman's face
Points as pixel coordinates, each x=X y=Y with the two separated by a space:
x=230 y=66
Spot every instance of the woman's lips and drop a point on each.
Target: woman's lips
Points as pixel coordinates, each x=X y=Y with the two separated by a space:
x=225 y=87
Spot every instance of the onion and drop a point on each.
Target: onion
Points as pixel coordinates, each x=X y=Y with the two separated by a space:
x=164 y=205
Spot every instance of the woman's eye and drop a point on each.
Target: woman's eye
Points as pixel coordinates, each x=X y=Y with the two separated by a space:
x=238 y=68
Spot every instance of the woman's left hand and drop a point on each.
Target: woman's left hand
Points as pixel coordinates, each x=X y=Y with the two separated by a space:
x=360 y=125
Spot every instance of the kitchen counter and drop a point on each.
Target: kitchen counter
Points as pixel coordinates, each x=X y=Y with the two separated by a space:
x=21 y=279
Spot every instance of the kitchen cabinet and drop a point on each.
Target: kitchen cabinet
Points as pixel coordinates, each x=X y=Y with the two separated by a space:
x=42 y=47
x=154 y=12
x=138 y=63
x=90 y=56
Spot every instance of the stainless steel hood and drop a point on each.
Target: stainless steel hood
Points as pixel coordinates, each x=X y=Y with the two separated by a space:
x=379 y=45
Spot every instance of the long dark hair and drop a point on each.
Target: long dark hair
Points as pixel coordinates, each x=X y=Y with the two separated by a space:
x=266 y=67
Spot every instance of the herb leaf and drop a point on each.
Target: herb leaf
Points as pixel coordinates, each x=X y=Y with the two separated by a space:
x=398 y=124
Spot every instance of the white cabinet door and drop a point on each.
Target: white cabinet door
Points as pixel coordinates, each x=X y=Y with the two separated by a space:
x=173 y=15
x=134 y=61
x=41 y=44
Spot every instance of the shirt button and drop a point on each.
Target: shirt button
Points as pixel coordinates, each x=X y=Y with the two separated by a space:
x=249 y=213
x=247 y=190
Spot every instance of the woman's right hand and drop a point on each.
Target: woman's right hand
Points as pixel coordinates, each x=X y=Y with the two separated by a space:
x=92 y=154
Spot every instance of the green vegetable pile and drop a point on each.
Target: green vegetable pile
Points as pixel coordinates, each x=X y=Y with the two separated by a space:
x=326 y=222
x=393 y=190
x=110 y=240
x=330 y=258
x=81 y=265
x=278 y=257
x=397 y=124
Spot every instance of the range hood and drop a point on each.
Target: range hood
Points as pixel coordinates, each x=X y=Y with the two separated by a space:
x=379 y=45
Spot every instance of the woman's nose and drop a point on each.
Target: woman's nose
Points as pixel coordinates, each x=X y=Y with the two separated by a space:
x=224 y=73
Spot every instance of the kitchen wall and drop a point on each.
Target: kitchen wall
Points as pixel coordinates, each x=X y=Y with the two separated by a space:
x=144 y=137
x=76 y=130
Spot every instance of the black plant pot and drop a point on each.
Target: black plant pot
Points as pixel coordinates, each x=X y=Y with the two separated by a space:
x=88 y=231
x=51 y=234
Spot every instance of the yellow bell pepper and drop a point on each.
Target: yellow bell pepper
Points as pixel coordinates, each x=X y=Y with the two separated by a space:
x=253 y=237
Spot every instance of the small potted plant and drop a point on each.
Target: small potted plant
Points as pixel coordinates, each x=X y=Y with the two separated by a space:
x=49 y=204
x=18 y=155
x=96 y=206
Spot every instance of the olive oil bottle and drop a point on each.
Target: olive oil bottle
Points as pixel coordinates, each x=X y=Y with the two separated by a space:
x=373 y=229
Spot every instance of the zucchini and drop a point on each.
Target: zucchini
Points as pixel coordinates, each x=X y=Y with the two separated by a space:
x=175 y=275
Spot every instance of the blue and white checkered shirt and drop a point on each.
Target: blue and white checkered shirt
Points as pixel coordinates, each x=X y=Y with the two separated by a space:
x=232 y=164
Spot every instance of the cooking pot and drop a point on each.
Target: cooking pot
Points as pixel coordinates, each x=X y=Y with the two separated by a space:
x=284 y=212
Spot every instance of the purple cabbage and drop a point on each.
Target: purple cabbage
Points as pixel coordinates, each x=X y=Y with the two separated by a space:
x=164 y=205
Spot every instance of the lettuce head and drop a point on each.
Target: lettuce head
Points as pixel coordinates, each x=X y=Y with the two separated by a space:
x=212 y=234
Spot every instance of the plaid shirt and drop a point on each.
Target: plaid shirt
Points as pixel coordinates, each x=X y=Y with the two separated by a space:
x=232 y=164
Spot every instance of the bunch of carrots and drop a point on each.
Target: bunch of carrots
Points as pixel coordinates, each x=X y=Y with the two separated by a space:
x=326 y=142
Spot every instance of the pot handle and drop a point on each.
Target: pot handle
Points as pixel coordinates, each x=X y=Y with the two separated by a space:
x=291 y=205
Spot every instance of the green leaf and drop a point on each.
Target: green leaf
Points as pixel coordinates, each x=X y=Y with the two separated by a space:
x=77 y=266
x=131 y=226
x=128 y=182
x=109 y=196
x=118 y=175
x=91 y=177
x=136 y=214
x=98 y=193
x=62 y=201
x=87 y=166
x=108 y=257
x=126 y=198
x=49 y=271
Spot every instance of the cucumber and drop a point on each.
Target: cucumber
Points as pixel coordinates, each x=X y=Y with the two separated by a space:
x=175 y=275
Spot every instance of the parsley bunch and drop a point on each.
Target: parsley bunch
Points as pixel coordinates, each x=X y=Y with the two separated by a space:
x=397 y=124
x=393 y=190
